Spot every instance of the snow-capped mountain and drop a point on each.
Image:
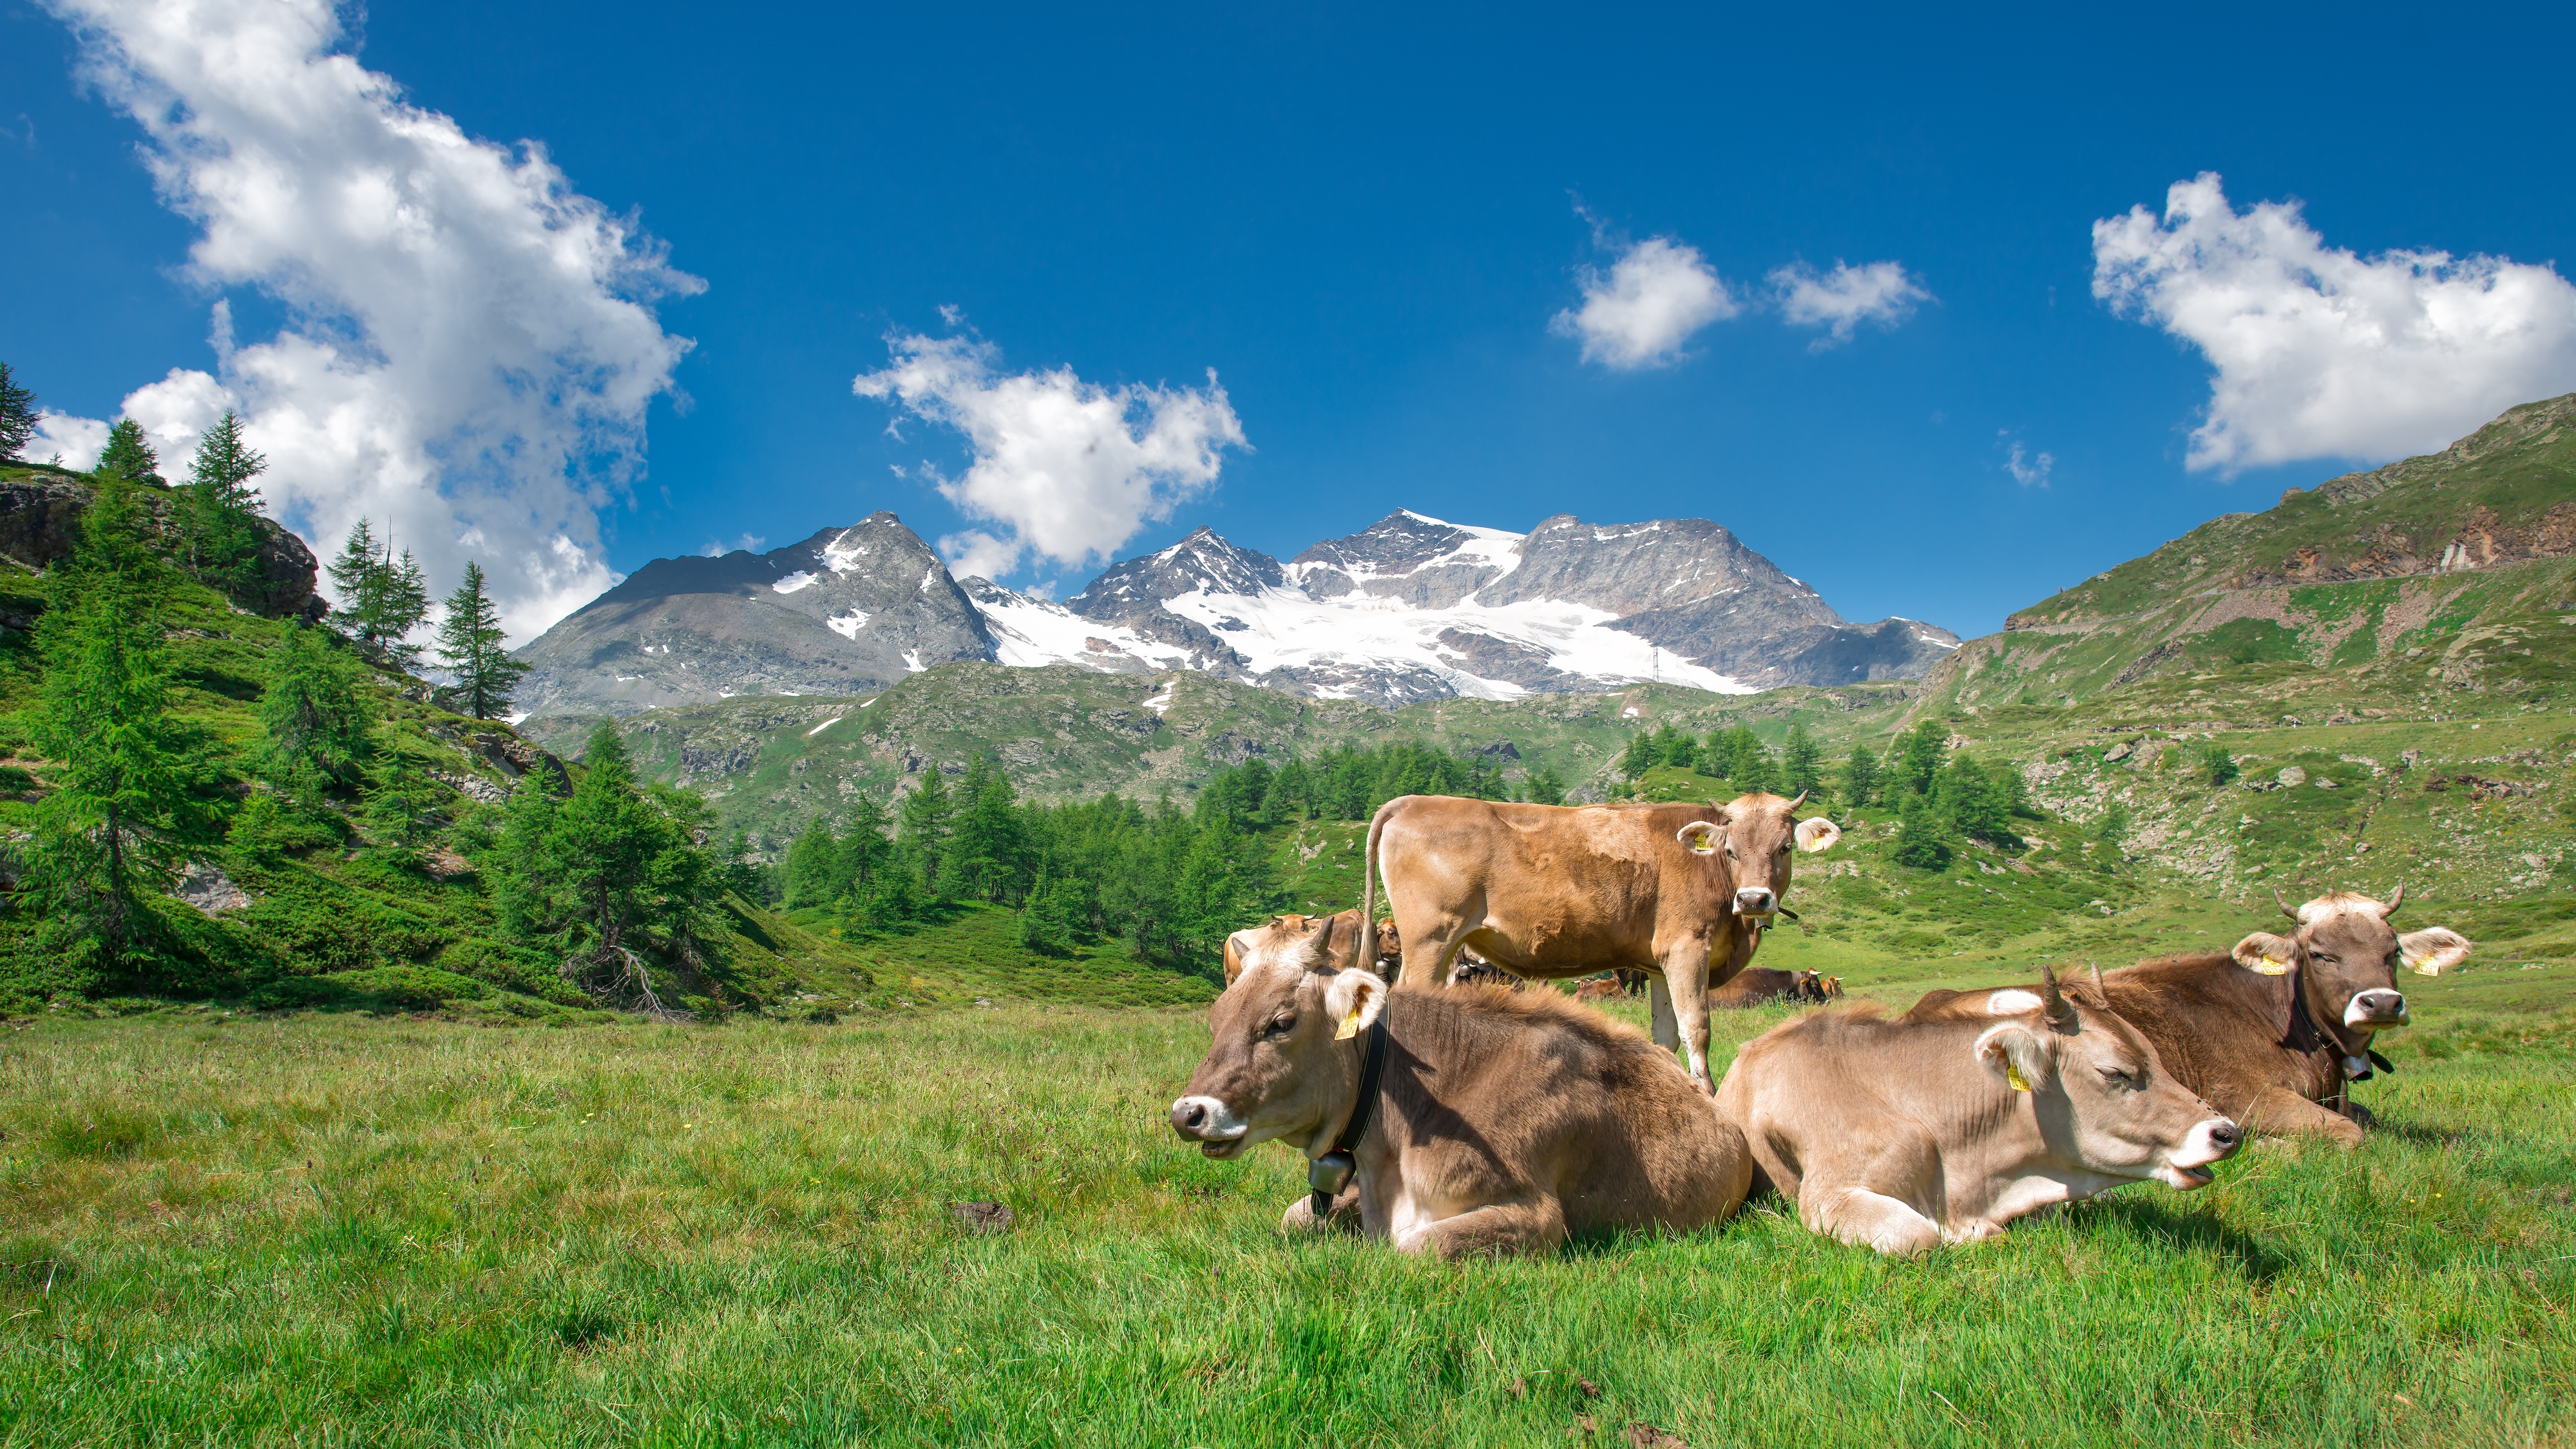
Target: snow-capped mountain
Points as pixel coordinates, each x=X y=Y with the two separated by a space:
x=1411 y=608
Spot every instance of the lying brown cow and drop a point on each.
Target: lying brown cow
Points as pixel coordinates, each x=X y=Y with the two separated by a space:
x=1551 y=891
x=1908 y=1133
x=1501 y=1122
x=2283 y=1023
x=1761 y=986
x=1281 y=930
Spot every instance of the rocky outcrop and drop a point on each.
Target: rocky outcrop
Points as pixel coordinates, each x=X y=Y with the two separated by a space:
x=40 y=511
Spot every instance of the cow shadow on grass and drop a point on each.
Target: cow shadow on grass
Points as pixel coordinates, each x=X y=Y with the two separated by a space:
x=2184 y=1231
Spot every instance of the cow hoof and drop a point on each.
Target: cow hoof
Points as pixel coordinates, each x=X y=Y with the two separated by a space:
x=1300 y=1217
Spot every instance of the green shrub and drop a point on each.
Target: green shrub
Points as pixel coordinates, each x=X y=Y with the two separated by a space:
x=382 y=988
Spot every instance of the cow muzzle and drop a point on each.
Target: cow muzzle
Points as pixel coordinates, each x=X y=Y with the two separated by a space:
x=2209 y=1142
x=1211 y=1124
x=2376 y=1009
x=1756 y=901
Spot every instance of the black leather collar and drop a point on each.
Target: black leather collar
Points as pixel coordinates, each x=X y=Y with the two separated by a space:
x=1329 y=1174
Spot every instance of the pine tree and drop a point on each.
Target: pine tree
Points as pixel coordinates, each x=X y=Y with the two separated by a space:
x=219 y=511
x=1918 y=756
x=627 y=875
x=864 y=847
x=1973 y=804
x=1639 y=756
x=1543 y=787
x=814 y=867
x=926 y=814
x=1921 y=839
x=114 y=831
x=382 y=599
x=2220 y=765
x=984 y=850
x=355 y=573
x=1860 y=776
x=128 y=455
x=402 y=803
x=469 y=642
x=1801 y=763
x=404 y=605
x=317 y=711
x=17 y=417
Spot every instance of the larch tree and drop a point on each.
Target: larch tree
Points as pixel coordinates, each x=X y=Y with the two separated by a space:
x=17 y=417
x=469 y=643
x=128 y=455
x=219 y=511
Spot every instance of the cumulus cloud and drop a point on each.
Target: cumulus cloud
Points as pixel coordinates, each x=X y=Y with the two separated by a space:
x=72 y=442
x=1641 y=312
x=2028 y=469
x=2322 y=353
x=471 y=345
x=1068 y=469
x=1844 y=298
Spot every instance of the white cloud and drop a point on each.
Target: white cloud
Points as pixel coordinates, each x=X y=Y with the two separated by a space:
x=73 y=442
x=1069 y=469
x=471 y=346
x=746 y=543
x=2321 y=353
x=2028 y=469
x=1842 y=299
x=1646 y=306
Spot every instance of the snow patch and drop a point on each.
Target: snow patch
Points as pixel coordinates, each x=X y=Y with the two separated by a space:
x=912 y=661
x=1030 y=632
x=827 y=724
x=848 y=625
x=1162 y=703
x=929 y=576
x=797 y=580
x=840 y=556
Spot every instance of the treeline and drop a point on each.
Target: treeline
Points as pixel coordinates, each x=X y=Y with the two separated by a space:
x=1941 y=797
x=1171 y=881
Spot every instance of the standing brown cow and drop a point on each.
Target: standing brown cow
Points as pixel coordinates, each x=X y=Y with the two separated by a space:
x=1502 y=1120
x=2281 y=1025
x=1553 y=891
x=1761 y=986
x=1910 y=1133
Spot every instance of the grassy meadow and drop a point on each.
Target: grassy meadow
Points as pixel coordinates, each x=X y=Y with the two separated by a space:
x=390 y=1230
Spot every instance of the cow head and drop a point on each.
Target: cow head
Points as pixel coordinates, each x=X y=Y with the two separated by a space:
x=1281 y=932
x=2105 y=1102
x=1283 y=1062
x=1759 y=837
x=2346 y=956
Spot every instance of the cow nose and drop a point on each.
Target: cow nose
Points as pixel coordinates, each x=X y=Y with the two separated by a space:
x=2225 y=1135
x=1189 y=1115
x=2379 y=1005
x=1755 y=901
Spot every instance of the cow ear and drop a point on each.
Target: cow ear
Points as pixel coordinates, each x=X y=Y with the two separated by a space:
x=1354 y=998
x=2015 y=1054
x=2267 y=954
x=1701 y=837
x=1818 y=835
x=2433 y=950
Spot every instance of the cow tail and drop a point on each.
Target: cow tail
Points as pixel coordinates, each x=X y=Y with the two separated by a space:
x=1368 y=879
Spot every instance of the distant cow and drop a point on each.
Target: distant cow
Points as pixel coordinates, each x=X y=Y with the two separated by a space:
x=1905 y=1134
x=1280 y=931
x=2283 y=1024
x=1503 y=1120
x=1761 y=986
x=1550 y=891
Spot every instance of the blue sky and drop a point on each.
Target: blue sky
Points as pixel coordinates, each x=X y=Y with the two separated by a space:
x=1363 y=223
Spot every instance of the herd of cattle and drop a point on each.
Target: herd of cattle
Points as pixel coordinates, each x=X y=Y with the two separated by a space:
x=1461 y=1118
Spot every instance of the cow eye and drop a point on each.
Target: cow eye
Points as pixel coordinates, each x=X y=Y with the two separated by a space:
x=2119 y=1078
x=2322 y=959
x=1279 y=1027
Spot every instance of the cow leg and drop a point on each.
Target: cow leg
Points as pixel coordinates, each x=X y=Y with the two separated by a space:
x=2279 y=1112
x=1686 y=981
x=1435 y=955
x=1866 y=1219
x=1491 y=1231
x=1342 y=1216
x=1659 y=1001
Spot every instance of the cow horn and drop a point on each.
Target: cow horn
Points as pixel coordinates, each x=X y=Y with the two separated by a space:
x=2054 y=1005
x=1801 y=800
x=2284 y=905
x=1319 y=947
x=2396 y=898
x=2099 y=989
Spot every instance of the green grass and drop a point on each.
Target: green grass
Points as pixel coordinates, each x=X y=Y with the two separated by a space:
x=353 y=1230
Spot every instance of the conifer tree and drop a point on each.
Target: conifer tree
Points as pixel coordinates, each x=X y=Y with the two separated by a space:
x=17 y=417
x=626 y=873
x=382 y=599
x=317 y=711
x=1918 y=756
x=128 y=454
x=402 y=803
x=1639 y=756
x=864 y=847
x=1801 y=763
x=1860 y=776
x=814 y=874
x=1922 y=841
x=354 y=573
x=469 y=642
x=114 y=830
x=1543 y=787
x=926 y=814
x=219 y=510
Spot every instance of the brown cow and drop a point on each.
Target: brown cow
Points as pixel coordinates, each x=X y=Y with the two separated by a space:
x=1551 y=891
x=1280 y=930
x=2284 y=1023
x=1761 y=986
x=1503 y=1121
x=1905 y=1134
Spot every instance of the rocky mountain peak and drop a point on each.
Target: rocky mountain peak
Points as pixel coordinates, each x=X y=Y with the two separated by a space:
x=1202 y=562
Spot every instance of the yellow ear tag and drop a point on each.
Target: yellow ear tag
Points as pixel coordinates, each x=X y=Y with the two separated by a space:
x=1350 y=1026
x=2270 y=967
x=2014 y=1078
